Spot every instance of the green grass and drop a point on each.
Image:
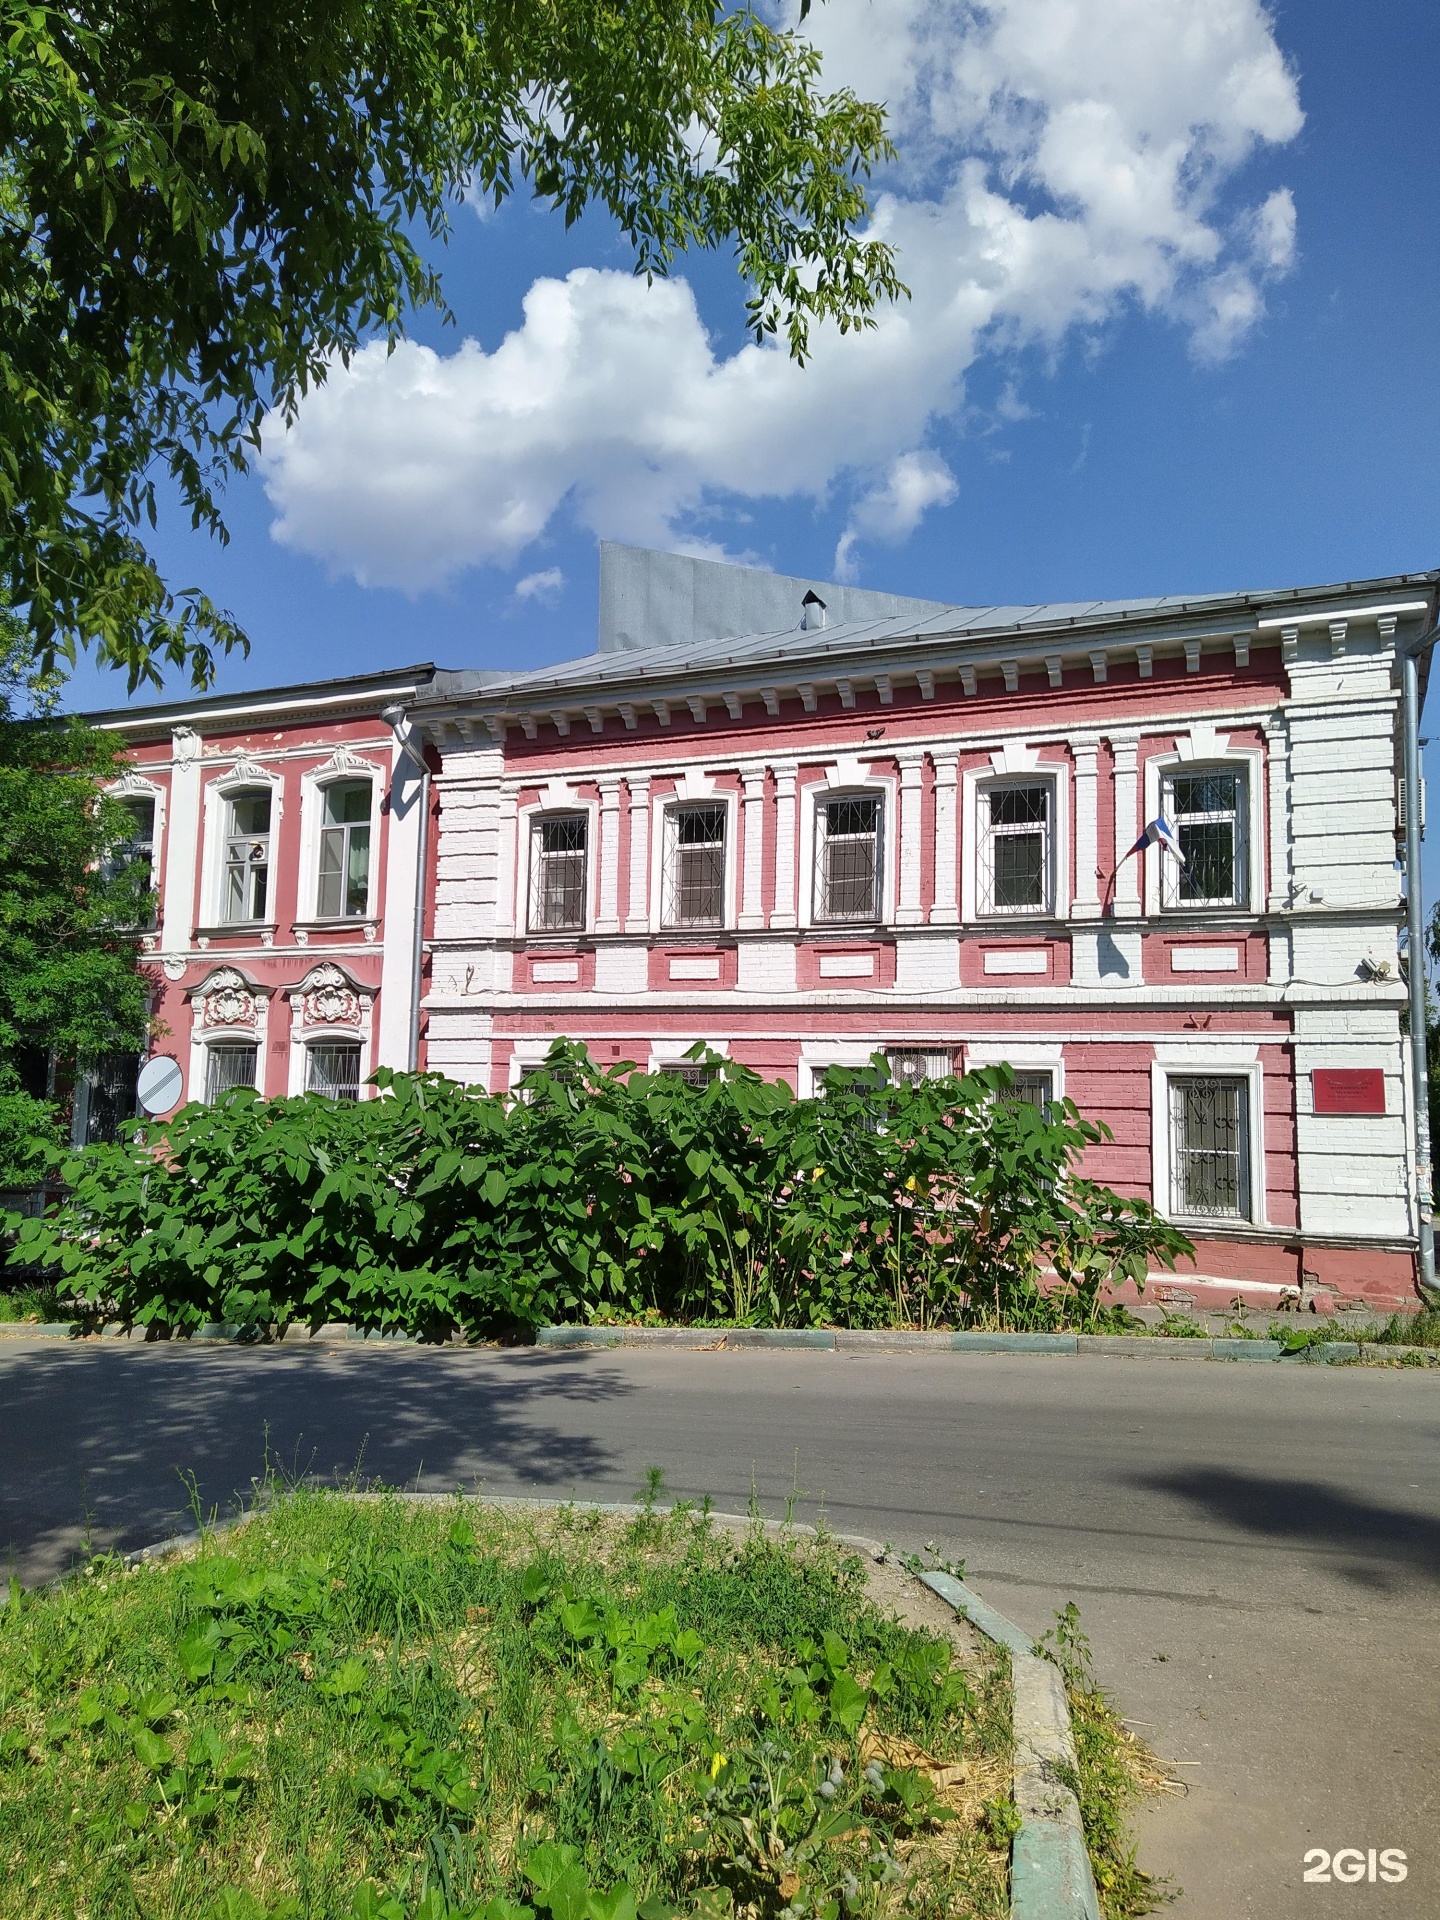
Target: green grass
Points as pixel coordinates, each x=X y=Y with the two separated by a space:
x=389 y=1710
x=32 y=1302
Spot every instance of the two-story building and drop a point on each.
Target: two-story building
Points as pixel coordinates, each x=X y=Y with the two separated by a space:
x=286 y=834
x=804 y=833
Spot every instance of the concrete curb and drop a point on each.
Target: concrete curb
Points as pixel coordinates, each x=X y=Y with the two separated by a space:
x=815 y=1339
x=1050 y=1873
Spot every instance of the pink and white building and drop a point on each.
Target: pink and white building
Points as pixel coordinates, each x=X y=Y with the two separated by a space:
x=801 y=824
x=801 y=833
x=286 y=833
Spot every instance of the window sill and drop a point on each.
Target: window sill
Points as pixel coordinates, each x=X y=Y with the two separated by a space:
x=339 y=924
x=237 y=929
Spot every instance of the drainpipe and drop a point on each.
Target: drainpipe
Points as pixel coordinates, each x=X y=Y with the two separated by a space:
x=403 y=727
x=1415 y=918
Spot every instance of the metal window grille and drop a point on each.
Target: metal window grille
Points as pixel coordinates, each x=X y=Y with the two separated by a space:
x=229 y=1064
x=557 y=873
x=345 y=852
x=1015 y=869
x=847 y=868
x=695 y=866
x=691 y=1072
x=1210 y=1147
x=334 y=1069
x=1206 y=811
x=1031 y=1089
x=247 y=856
x=910 y=1065
x=110 y=1101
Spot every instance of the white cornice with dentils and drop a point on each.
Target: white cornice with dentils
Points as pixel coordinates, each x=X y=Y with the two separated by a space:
x=1030 y=647
x=672 y=755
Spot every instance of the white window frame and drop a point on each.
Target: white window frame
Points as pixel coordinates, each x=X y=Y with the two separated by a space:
x=330 y=1036
x=244 y=777
x=313 y=787
x=1179 y=1060
x=1026 y=1056
x=133 y=786
x=527 y=1053
x=848 y=779
x=816 y=1056
x=692 y=788
x=668 y=1051
x=556 y=799
x=1014 y=765
x=1216 y=756
x=669 y=808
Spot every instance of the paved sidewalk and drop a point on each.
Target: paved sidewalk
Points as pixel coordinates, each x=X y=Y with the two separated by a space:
x=1256 y=1550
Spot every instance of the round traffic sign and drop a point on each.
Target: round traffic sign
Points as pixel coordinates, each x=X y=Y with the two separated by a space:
x=160 y=1085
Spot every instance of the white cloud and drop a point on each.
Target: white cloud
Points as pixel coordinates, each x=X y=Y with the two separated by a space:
x=1060 y=160
x=544 y=588
x=893 y=509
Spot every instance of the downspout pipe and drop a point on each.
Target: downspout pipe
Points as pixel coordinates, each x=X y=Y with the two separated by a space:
x=1415 y=924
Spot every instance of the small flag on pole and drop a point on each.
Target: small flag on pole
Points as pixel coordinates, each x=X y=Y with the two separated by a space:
x=1159 y=833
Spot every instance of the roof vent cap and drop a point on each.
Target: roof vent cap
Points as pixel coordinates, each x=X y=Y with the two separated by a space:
x=812 y=612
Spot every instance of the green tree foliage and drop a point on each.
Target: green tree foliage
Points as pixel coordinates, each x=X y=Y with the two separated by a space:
x=70 y=985
x=204 y=202
x=591 y=1195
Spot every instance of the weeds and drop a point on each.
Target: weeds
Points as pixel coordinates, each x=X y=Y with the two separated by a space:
x=380 y=1710
x=1113 y=1770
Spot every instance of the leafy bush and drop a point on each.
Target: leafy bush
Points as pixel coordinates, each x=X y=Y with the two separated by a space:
x=587 y=1194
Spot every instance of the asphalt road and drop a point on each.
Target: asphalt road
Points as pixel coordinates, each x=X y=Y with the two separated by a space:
x=1255 y=1549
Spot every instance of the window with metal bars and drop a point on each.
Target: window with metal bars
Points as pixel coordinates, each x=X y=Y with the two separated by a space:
x=910 y=1065
x=695 y=866
x=1206 y=810
x=229 y=1063
x=557 y=873
x=1210 y=1147
x=847 y=860
x=109 y=1093
x=1016 y=871
x=344 y=892
x=693 y=1072
x=333 y=1068
x=1031 y=1088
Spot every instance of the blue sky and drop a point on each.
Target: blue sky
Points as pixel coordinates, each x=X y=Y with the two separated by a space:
x=1151 y=420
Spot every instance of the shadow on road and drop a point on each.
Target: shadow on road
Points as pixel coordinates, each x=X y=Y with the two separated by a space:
x=94 y=1441
x=1369 y=1543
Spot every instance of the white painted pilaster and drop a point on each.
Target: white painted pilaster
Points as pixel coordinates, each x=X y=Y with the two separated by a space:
x=1085 y=904
x=404 y=900
x=608 y=918
x=909 y=912
x=1126 y=897
x=182 y=842
x=1277 y=757
x=752 y=907
x=946 y=910
x=785 y=913
x=637 y=915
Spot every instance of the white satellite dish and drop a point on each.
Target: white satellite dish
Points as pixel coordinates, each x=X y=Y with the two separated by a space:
x=160 y=1085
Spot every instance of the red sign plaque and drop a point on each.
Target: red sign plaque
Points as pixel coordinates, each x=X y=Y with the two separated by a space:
x=1348 y=1089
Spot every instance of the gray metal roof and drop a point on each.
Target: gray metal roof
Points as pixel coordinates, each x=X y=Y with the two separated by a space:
x=793 y=649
